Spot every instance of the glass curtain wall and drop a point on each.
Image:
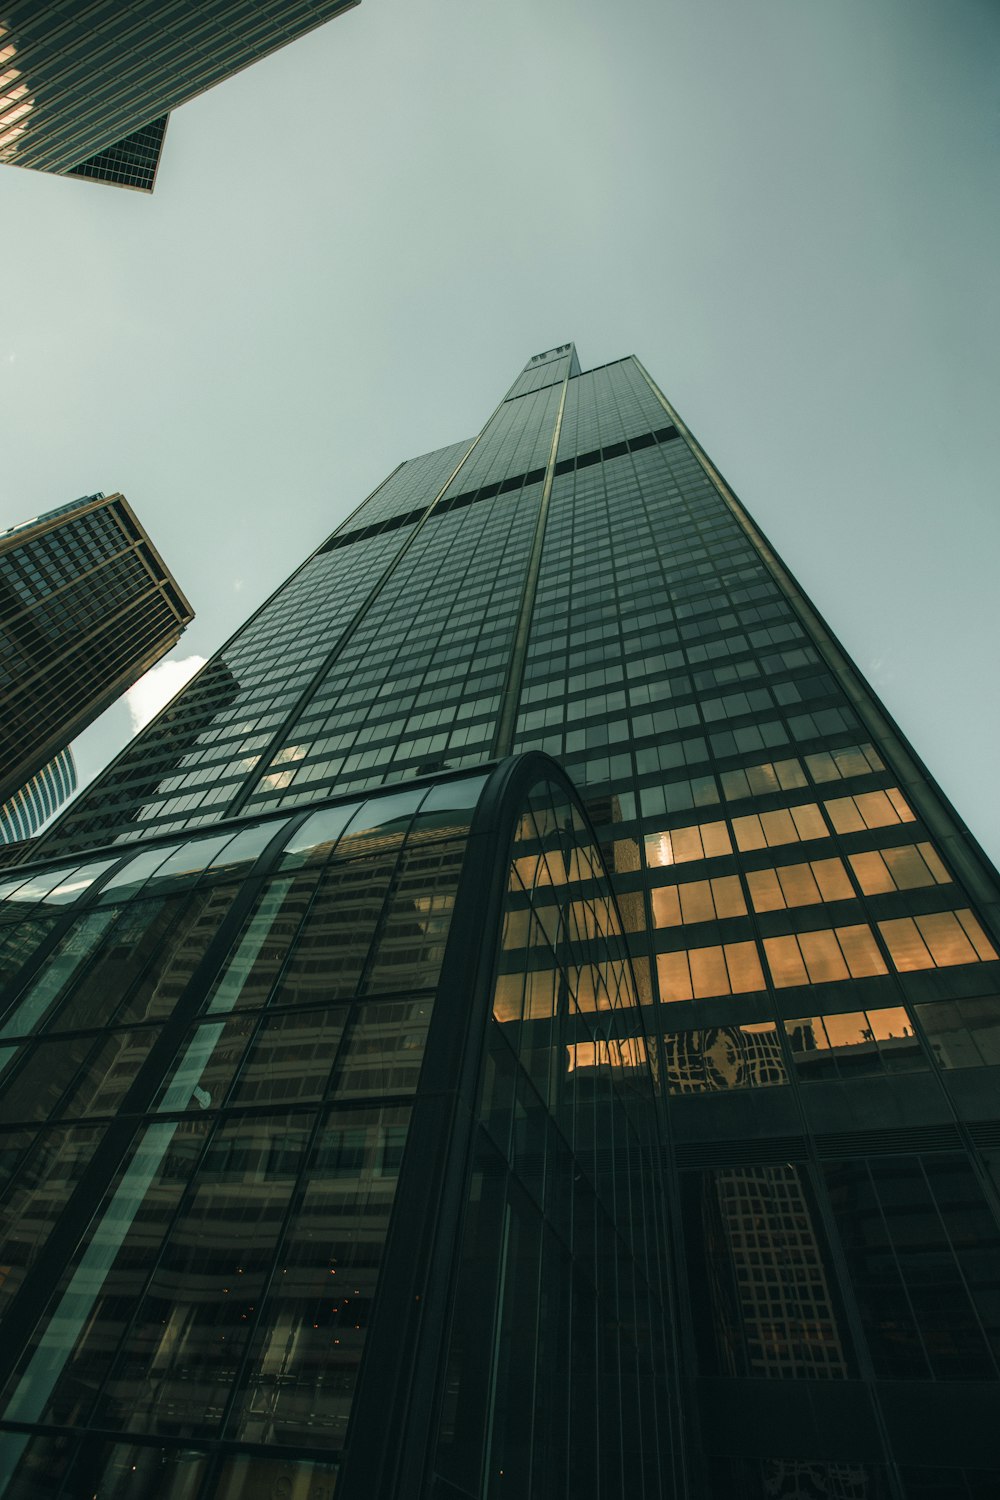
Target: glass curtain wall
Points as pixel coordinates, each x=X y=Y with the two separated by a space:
x=224 y=1064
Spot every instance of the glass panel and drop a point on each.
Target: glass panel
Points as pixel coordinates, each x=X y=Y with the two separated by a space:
x=822 y=956
x=728 y=894
x=110 y=1071
x=37 y=1194
x=310 y=1333
x=246 y=846
x=906 y=947
x=785 y=961
x=765 y=892
x=206 y=1064
x=192 y=857
x=135 y=872
x=860 y=951
x=872 y=873
x=832 y=879
x=946 y=939
x=696 y=902
x=385 y=1048
x=318 y=834
x=291 y=1058
x=71 y=888
x=798 y=885
x=69 y=955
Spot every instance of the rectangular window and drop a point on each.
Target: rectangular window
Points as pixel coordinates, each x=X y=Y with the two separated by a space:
x=824 y=956
x=963 y=1033
x=757 y=781
x=899 y=869
x=678 y=845
x=804 y=884
x=723 y=1058
x=868 y=810
x=697 y=973
x=788 y=825
x=698 y=901
x=850 y=760
x=843 y=1046
x=937 y=940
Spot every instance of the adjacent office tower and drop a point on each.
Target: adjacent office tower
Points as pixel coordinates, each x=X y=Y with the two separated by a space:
x=382 y=1111
x=85 y=91
x=86 y=606
x=23 y=814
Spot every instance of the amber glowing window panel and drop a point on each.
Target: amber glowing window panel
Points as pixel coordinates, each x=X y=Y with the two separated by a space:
x=680 y=845
x=788 y=825
x=699 y=973
x=824 y=956
x=868 y=810
x=936 y=940
x=666 y=907
x=698 y=901
x=805 y=884
x=904 y=868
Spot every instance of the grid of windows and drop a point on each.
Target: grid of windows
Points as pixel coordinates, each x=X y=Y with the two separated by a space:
x=787 y=882
x=82 y=93
x=86 y=606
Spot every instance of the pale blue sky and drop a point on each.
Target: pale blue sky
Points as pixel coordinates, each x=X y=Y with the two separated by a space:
x=787 y=209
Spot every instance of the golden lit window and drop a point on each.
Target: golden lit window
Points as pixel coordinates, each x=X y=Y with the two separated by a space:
x=868 y=810
x=789 y=825
x=936 y=940
x=899 y=869
x=697 y=973
x=698 y=901
x=679 y=845
x=804 y=884
x=824 y=956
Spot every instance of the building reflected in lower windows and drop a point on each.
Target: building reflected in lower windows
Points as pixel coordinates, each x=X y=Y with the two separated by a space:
x=766 y=1306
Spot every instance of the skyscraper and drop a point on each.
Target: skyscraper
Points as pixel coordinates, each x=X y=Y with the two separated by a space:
x=23 y=814
x=85 y=91
x=657 y=1160
x=86 y=606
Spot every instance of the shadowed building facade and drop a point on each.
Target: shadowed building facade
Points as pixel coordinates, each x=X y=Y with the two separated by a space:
x=772 y=968
x=87 y=605
x=85 y=89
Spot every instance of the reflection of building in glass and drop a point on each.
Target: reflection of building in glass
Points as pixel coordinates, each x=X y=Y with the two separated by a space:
x=31 y=805
x=86 y=606
x=89 y=97
x=768 y=1269
x=813 y=1005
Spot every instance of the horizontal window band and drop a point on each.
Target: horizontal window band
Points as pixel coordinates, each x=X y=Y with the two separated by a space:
x=449 y=503
x=616 y=450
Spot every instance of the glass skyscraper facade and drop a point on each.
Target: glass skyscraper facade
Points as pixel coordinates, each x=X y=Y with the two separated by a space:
x=87 y=605
x=85 y=90
x=33 y=804
x=532 y=916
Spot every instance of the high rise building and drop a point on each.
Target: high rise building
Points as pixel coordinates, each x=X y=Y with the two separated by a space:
x=87 y=605
x=33 y=804
x=85 y=90
x=385 y=1112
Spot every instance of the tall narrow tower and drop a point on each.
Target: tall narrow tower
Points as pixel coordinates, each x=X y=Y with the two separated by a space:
x=394 y=1105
